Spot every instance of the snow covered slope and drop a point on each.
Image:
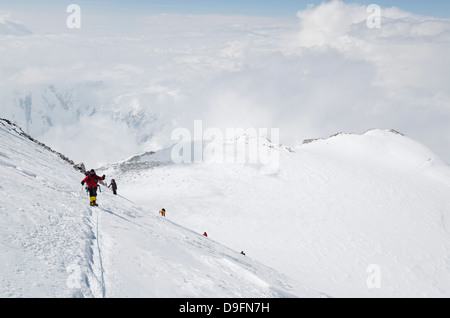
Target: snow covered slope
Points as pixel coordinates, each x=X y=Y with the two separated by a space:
x=52 y=244
x=340 y=212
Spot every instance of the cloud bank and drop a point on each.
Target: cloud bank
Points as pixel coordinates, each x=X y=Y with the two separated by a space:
x=124 y=88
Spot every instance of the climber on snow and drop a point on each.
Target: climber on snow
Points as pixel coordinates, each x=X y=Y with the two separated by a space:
x=92 y=182
x=113 y=185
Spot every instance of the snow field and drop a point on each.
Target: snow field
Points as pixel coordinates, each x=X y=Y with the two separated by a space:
x=53 y=244
x=333 y=209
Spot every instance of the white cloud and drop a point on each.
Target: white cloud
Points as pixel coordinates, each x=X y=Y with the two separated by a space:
x=328 y=73
x=96 y=140
x=4 y=16
x=408 y=50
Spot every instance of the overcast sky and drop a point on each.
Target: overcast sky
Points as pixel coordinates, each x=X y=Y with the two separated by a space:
x=311 y=71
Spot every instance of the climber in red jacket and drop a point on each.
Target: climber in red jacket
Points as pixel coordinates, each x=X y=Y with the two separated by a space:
x=91 y=181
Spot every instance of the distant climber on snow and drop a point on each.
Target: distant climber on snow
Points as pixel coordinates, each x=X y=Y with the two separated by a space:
x=163 y=212
x=113 y=186
x=205 y=234
x=92 y=182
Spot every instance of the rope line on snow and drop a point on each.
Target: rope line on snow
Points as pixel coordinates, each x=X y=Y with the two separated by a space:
x=102 y=280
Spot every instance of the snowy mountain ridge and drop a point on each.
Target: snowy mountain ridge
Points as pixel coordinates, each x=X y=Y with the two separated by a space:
x=52 y=244
x=17 y=129
x=335 y=209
